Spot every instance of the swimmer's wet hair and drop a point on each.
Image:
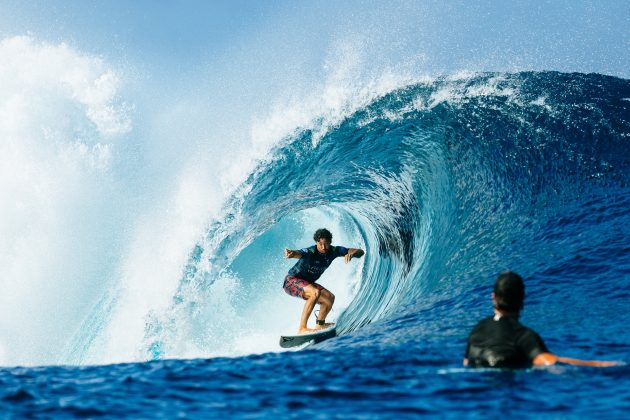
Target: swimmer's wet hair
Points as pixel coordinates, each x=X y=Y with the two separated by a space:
x=322 y=233
x=509 y=292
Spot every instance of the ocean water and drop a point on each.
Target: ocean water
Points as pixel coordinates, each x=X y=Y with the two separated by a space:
x=445 y=182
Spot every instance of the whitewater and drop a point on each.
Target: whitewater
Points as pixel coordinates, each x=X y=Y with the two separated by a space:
x=144 y=276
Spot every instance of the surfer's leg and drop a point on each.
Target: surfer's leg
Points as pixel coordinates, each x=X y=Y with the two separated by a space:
x=311 y=294
x=326 y=301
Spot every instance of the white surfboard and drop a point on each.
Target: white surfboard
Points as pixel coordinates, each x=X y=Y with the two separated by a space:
x=287 y=341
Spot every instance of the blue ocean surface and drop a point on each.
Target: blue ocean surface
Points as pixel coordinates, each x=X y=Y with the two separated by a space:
x=444 y=183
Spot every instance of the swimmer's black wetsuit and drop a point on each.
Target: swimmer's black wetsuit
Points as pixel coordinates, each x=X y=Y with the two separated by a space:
x=504 y=343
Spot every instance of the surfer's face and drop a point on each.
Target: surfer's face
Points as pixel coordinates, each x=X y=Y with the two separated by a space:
x=323 y=245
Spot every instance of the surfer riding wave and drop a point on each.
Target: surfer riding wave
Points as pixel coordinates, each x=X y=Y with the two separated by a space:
x=302 y=277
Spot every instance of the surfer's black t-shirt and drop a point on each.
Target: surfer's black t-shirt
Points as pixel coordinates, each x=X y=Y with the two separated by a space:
x=312 y=263
x=503 y=343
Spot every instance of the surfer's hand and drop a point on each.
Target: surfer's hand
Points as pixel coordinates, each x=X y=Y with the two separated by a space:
x=353 y=253
x=287 y=253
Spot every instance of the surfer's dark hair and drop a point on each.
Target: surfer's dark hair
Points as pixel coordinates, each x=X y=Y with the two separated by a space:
x=509 y=292
x=322 y=234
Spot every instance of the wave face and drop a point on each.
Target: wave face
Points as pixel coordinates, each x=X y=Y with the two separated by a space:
x=444 y=183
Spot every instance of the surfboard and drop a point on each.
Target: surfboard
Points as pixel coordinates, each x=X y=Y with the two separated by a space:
x=287 y=341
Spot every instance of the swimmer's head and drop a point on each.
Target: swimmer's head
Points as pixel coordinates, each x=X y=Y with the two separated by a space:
x=509 y=292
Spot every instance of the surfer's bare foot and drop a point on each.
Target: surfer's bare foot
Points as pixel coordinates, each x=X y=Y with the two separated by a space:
x=305 y=330
x=324 y=326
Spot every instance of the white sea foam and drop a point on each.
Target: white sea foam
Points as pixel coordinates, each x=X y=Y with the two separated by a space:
x=61 y=117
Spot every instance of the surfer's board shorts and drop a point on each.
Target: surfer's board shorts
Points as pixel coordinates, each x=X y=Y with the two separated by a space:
x=295 y=287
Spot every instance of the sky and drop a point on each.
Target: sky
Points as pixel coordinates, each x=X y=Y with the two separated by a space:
x=449 y=35
x=249 y=54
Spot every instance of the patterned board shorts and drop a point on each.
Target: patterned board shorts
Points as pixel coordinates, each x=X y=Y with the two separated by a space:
x=295 y=287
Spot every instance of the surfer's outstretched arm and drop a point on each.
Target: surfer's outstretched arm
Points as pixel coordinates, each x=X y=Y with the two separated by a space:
x=354 y=253
x=547 y=359
x=290 y=253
